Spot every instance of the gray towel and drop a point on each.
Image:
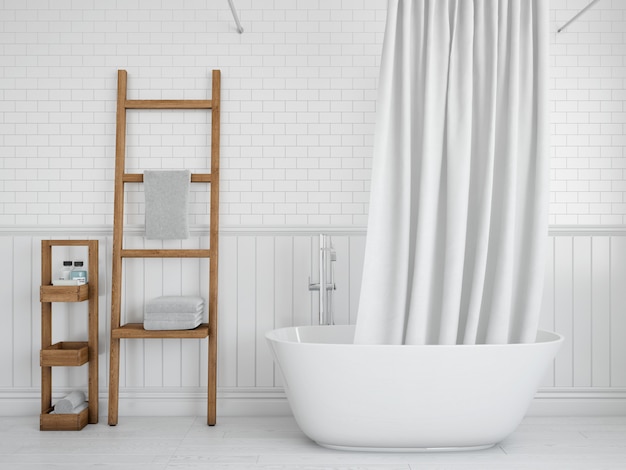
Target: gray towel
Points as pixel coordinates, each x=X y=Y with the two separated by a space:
x=69 y=402
x=175 y=304
x=167 y=196
x=73 y=411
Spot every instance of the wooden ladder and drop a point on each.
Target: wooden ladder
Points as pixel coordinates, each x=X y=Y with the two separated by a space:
x=136 y=330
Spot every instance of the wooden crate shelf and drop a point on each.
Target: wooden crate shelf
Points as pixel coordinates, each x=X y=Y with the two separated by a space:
x=68 y=353
x=63 y=422
x=64 y=293
x=65 y=353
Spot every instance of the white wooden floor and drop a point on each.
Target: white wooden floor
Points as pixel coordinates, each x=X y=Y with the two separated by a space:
x=139 y=443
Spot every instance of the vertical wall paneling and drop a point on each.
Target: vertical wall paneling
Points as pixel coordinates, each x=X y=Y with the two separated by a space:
x=155 y=280
x=246 y=311
x=265 y=292
x=283 y=286
x=341 y=296
x=581 y=313
x=356 y=254
x=7 y=347
x=283 y=281
x=227 y=321
x=302 y=271
x=35 y=310
x=22 y=317
x=191 y=275
x=618 y=311
x=104 y=308
x=563 y=310
x=546 y=320
x=600 y=312
x=204 y=276
x=264 y=285
x=171 y=348
x=132 y=312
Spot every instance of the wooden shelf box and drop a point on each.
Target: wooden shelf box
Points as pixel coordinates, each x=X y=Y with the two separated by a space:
x=65 y=353
x=63 y=422
x=68 y=353
x=64 y=293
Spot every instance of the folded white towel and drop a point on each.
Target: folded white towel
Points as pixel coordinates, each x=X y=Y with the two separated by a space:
x=73 y=411
x=176 y=304
x=171 y=324
x=70 y=402
x=173 y=316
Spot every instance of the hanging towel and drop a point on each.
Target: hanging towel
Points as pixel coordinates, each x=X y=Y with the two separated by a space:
x=167 y=196
x=175 y=303
x=70 y=402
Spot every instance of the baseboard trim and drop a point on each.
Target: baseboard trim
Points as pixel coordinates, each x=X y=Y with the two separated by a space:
x=273 y=402
x=579 y=402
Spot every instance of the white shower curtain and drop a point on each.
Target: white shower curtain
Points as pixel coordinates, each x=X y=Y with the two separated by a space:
x=458 y=209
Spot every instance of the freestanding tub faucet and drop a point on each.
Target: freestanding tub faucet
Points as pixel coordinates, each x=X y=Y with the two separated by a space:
x=327 y=257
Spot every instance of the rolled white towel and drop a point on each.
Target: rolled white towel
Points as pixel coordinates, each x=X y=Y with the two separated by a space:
x=70 y=402
x=74 y=411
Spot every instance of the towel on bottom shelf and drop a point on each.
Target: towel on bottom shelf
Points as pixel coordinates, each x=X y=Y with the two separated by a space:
x=173 y=323
x=73 y=411
x=173 y=312
x=73 y=402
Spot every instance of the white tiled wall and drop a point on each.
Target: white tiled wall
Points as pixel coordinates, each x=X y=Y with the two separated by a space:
x=588 y=84
x=298 y=105
x=299 y=90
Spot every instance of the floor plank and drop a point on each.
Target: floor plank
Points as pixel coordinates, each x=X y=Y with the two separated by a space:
x=276 y=443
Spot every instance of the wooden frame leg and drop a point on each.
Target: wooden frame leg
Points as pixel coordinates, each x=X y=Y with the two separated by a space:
x=114 y=381
x=212 y=382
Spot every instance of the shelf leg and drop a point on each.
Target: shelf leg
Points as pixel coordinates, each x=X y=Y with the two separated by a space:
x=114 y=381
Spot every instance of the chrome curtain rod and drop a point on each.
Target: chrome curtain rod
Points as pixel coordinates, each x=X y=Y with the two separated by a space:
x=232 y=8
x=575 y=17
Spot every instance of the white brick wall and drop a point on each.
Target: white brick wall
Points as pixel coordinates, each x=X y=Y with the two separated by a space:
x=588 y=84
x=299 y=90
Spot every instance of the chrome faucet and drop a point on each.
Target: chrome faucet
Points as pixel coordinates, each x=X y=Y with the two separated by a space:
x=327 y=257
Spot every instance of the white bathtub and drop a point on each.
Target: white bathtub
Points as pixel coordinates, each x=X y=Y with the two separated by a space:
x=407 y=398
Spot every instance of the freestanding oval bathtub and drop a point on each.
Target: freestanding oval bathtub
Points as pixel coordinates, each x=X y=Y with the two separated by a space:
x=407 y=398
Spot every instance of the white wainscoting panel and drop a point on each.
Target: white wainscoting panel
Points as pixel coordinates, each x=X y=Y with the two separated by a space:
x=263 y=284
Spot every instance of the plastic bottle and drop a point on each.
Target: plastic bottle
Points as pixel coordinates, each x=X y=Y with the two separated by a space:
x=79 y=273
x=66 y=270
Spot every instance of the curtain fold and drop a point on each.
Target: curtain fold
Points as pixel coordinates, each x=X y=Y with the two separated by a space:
x=458 y=206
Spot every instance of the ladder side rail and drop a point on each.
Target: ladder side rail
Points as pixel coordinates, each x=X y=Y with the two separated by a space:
x=118 y=234
x=214 y=247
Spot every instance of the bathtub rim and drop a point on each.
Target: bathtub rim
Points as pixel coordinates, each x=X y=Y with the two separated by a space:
x=543 y=337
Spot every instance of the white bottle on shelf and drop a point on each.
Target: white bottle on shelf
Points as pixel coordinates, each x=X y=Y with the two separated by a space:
x=66 y=271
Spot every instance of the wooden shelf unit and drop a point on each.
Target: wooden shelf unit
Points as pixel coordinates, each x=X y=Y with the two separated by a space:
x=68 y=353
x=136 y=330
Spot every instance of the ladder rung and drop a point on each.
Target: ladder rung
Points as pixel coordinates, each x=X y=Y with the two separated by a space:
x=138 y=178
x=149 y=253
x=136 y=330
x=168 y=104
